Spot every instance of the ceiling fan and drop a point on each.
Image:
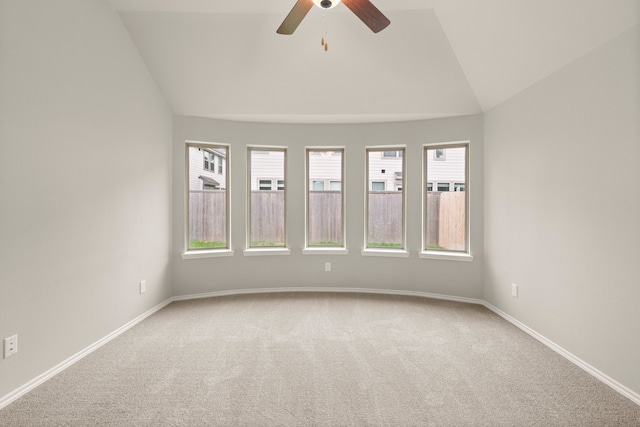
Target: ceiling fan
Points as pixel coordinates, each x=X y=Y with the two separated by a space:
x=364 y=9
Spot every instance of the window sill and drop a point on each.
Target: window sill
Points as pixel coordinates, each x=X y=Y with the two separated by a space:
x=447 y=256
x=207 y=254
x=266 y=251
x=325 y=251
x=398 y=253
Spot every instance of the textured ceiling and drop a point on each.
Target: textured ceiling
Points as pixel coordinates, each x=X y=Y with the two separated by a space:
x=438 y=58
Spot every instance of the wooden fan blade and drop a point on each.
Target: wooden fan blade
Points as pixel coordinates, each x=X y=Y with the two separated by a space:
x=368 y=13
x=295 y=17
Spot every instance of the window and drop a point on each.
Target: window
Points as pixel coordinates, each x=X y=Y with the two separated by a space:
x=392 y=154
x=429 y=186
x=445 y=212
x=207 y=201
x=378 y=185
x=385 y=216
x=209 y=159
x=265 y=184
x=267 y=213
x=220 y=167
x=325 y=208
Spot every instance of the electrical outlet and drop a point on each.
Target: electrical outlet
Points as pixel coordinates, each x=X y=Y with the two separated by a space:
x=143 y=286
x=10 y=346
x=514 y=290
x=327 y=266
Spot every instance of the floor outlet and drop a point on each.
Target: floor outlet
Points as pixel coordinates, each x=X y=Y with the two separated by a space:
x=514 y=290
x=10 y=346
x=327 y=266
x=143 y=286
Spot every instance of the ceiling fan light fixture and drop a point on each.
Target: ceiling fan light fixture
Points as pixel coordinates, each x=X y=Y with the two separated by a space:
x=326 y=4
x=363 y=9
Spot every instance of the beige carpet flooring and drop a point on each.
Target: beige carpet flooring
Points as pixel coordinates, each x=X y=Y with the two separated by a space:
x=322 y=359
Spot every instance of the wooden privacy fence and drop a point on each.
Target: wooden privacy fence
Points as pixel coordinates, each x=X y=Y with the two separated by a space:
x=446 y=226
x=267 y=216
x=445 y=217
x=325 y=217
x=385 y=217
x=207 y=215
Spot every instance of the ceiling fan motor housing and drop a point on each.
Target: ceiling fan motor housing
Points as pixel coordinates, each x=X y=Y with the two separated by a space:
x=326 y=4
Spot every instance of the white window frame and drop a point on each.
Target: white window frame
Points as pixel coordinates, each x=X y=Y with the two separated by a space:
x=385 y=252
x=448 y=184
x=207 y=252
x=268 y=250
x=384 y=184
x=259 y=182
x=396 y=154
x=329 y=250
x=443 y=157
x=446 y=254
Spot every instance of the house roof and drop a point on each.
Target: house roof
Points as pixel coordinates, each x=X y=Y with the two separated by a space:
x=438 y=58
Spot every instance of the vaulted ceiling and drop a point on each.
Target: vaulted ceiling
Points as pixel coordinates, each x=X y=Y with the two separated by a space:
x=438 y=58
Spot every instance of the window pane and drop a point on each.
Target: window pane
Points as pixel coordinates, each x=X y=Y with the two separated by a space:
x=265 y=184
x=267 y=207
x=385 y=209
x=208 y=195
x=325 y=225
x=377 y=186
x=445 y=211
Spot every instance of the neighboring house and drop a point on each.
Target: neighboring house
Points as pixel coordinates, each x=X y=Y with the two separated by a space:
x=207 y=168
x=385 y=171
x=324 y=171
x=445 y=170
x=267 y=170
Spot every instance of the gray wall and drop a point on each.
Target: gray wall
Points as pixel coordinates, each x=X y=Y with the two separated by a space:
x=85 y=191
x=562 y=208
x=87 y=175
x=463 y=279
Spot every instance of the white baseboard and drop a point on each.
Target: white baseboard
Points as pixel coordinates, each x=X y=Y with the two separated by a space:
x=325 y=289
x=21 y=391
x=625 y=391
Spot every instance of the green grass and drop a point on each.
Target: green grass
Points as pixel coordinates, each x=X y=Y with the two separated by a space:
x=385 y=245
x=436 y=248
x=199 y=244
x=267 y=244
x=325 y=244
